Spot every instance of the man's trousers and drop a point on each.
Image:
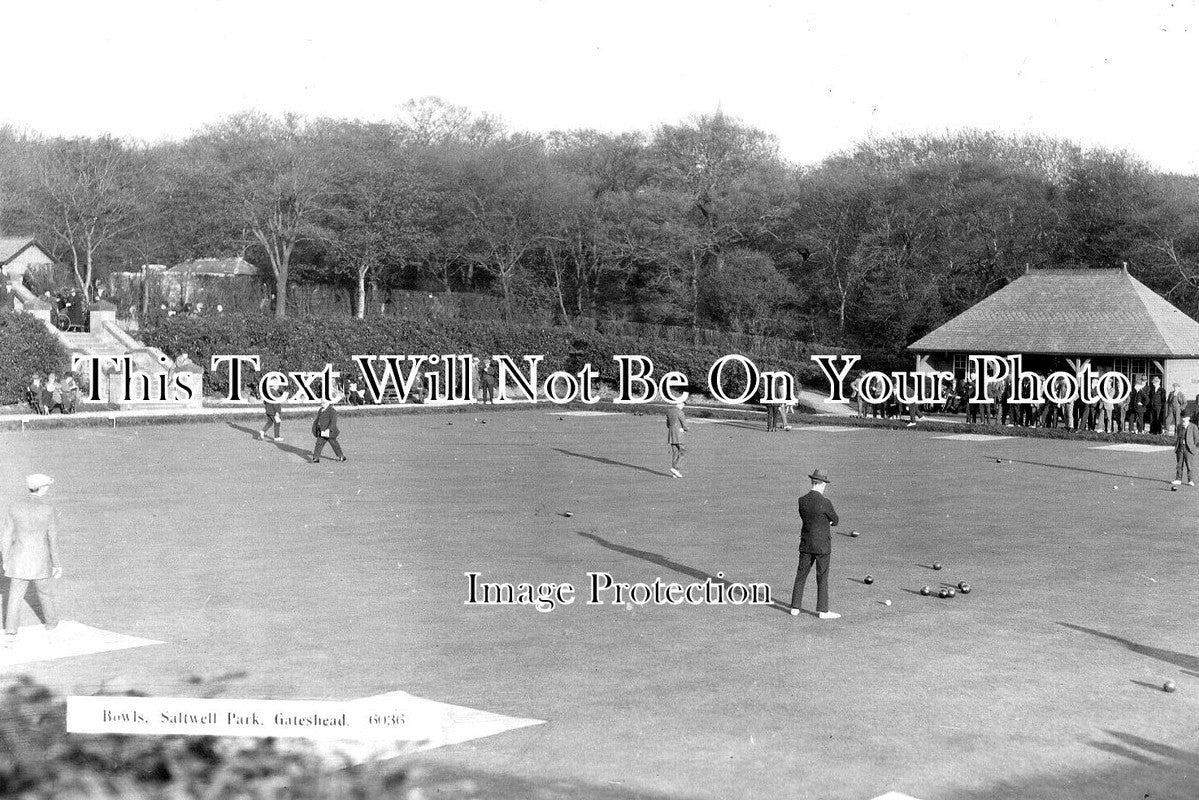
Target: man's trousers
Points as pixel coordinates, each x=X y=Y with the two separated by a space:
x=1185 y=462
x=676 y=455
x=320 y=445
x=16 y=596
x=806 y=560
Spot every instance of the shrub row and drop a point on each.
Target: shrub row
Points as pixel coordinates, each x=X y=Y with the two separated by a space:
x=26 y=347
x=41 y=761
x=309 y=343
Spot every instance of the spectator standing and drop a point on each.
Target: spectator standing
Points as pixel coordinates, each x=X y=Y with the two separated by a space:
x=70 y=393
x=1120 y=421
x=51 y=394
x=1138 y=405
x=1156 y=405
x=29 y=548
x=35 y=394
x=1176 y=403
x=972 y=409
x=489 y=380
x=859 y=401
x=1106 y=420
x=1186 y=444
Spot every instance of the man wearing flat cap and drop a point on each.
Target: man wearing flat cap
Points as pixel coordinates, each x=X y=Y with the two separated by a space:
x=29 y=548
x=815 y=545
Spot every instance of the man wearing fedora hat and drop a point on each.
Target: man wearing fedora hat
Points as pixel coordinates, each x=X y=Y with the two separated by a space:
x=815 y=545
x=324 y=429
x=29 y=547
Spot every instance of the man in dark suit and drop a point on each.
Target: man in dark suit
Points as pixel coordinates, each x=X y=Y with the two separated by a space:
x=815 y=545
x=489 y=380
x=676 y=426
x=1138 y=406
x=972 y=409
x=1186 y=444
x=274 y=418
x=324 y=428
x=1156 y=405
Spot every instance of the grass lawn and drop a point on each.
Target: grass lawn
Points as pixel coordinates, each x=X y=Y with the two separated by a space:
x=343 y=580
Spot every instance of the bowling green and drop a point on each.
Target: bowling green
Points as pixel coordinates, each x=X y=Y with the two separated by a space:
x=277 y=578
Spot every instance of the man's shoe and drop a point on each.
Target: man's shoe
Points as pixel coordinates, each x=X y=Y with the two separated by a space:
x=1190 y=483
x=344 y=458
x=675 y=472
x=316 y=461
x=795 y=612
x=278 y=438
x=829 y=615
x=1176 y=483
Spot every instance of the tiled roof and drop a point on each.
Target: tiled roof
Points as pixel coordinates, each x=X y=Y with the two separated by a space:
x=12 y=245
x=1070 y=312
x=215 y=266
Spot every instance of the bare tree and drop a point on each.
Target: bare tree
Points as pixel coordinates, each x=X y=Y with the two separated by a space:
x=87 y=194
x=274 y=186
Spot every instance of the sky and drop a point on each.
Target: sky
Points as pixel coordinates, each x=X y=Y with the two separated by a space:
x=820 y=76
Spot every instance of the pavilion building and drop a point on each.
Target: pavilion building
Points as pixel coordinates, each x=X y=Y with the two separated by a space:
x=1065 y=319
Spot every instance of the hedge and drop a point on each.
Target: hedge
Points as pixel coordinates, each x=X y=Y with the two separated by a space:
x=26 y=347
x=41 y=761
x=308 y=343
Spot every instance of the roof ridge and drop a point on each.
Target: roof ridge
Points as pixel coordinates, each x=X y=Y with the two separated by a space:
x=1149 y=299
x=1097 y=311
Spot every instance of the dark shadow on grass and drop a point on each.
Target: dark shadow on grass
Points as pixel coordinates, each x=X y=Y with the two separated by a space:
x=663 y=561
x=858 y=580
x=1183 y=660
x=1086 y=469
x=1125 y=752
x=1156 y=748
x=610 y=462
x=253 y=434
x=911 y=591
x=30 y=597
x=1144 y=769
x=1144 y=751
x=1155 y=687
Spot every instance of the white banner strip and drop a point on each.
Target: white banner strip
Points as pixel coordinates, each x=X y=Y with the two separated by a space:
x=363 y=719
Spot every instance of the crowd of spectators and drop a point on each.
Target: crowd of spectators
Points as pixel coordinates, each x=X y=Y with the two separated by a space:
x=1148 y=408
x=44 y=396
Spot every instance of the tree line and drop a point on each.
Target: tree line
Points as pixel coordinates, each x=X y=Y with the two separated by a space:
x=698 y=224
